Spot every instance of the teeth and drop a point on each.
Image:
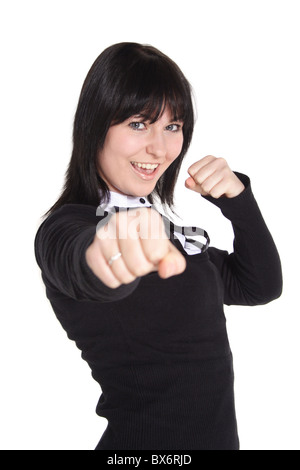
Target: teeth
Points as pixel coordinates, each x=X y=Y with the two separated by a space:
x=146 y=166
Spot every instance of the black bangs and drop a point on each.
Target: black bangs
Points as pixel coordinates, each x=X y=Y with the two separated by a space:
x=152 y=106
x=149 y=86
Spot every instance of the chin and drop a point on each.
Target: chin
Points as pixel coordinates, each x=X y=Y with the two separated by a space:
x=141 y=192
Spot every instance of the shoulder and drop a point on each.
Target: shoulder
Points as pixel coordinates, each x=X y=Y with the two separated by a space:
x=74 y=210
x=67 y=217
x=68 y=222
x=72 y=213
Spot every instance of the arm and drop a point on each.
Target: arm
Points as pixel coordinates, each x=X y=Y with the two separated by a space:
x=252 y=273
x=60 y=246
x=73 y=257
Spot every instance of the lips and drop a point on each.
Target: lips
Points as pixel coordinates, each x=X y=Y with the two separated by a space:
x=148 y=172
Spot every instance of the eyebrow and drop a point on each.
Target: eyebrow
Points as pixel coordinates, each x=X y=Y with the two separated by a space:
x=147 y=118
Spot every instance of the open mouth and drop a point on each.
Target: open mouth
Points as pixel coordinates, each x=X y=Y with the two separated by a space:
x=145 y=169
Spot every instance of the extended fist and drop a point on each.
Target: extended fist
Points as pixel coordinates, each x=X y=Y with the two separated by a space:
x=138 y=243
x=212 y=176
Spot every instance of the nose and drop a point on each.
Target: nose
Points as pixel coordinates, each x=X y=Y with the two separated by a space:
x=156 y=145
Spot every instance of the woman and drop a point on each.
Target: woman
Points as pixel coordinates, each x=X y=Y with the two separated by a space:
x=142 y=301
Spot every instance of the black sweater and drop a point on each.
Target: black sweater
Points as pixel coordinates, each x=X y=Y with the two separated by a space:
x=159 y=347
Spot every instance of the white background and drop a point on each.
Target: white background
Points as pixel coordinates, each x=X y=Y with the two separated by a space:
x=242 y=59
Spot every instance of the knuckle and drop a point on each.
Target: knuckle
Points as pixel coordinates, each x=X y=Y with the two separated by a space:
x=156 y=255
x=122 y=275
x=128 y=279
x=222 y=162
x=215 y=193
x=141 y=270
x=206 y=187
x=113 y=284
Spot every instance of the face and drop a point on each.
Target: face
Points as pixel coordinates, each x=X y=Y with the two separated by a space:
x=137 y=153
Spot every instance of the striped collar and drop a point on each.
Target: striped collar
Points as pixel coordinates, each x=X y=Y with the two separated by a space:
x=192 y=247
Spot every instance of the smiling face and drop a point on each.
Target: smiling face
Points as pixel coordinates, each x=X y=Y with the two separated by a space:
x=136 y=153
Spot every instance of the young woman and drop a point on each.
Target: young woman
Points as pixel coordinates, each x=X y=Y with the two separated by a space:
x=142 y=299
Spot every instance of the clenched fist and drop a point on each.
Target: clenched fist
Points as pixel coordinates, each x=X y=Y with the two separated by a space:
x=212 y=176
x=139 y=240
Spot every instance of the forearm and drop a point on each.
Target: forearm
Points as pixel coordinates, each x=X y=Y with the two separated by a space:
x=252 y=273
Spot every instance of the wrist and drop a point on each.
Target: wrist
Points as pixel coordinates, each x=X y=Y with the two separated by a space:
x=237 y=190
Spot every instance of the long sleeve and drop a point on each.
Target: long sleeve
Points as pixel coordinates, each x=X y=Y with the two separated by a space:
x=159 y=348
x=60 y=246
x=252 y=273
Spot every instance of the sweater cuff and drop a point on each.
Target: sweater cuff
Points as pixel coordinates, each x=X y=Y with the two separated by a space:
x=234 y=207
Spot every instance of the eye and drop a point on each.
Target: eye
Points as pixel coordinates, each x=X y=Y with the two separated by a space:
x=174 y=127
x=137 y=126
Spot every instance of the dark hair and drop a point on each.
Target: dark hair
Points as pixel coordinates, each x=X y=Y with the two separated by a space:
x=125 y=80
